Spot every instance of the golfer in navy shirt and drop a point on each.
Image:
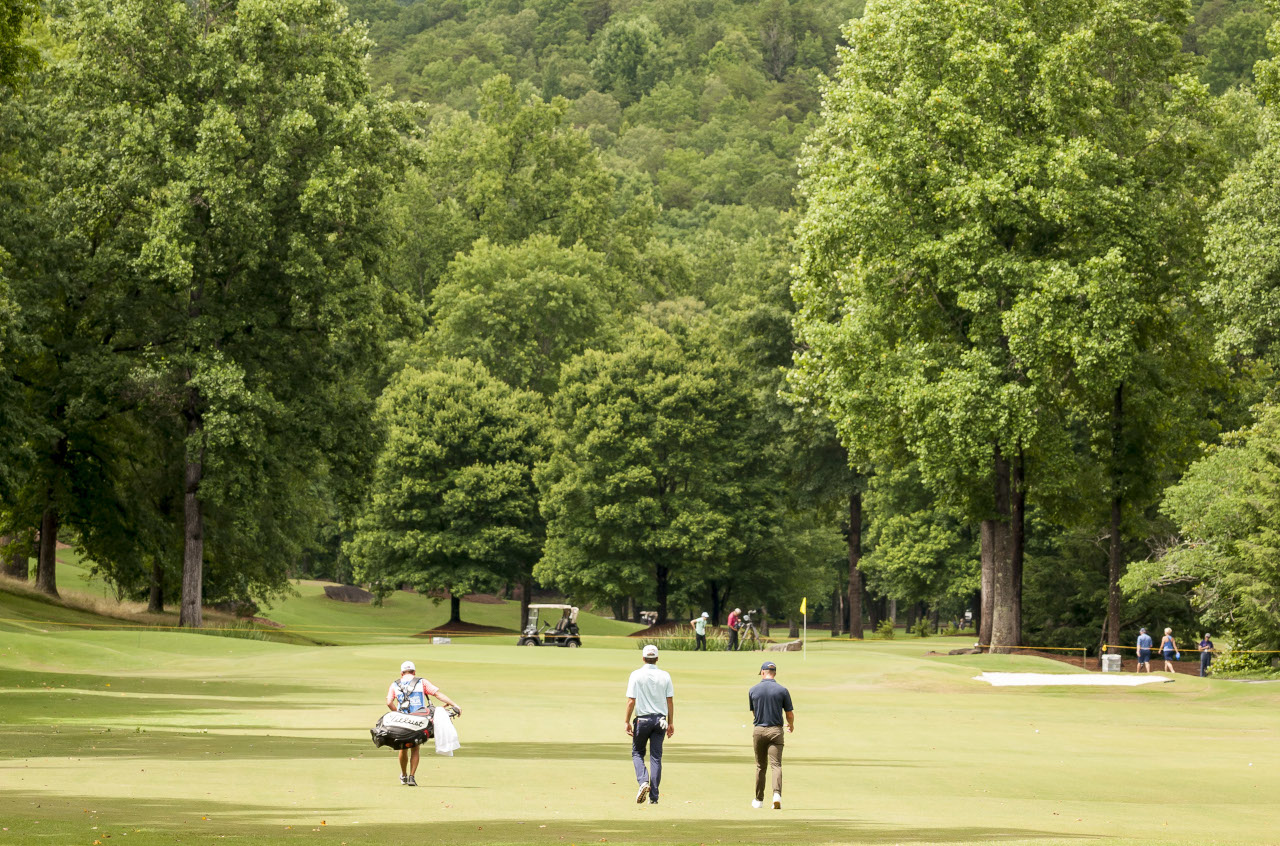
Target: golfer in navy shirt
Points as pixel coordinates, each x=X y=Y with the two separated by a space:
x=770 y=702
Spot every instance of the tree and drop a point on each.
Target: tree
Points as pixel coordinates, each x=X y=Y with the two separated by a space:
x=17 y=56
x=646 y=484
x=628 y=57
x=235 y=158
x=975 y=189
x=524 y=310
x=1226 y=509
x=516 y=169
x=453 y=506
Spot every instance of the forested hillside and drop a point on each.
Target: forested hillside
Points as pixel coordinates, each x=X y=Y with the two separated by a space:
x=917 y=308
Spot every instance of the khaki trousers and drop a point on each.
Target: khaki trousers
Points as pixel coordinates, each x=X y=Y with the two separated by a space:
x=768 y=742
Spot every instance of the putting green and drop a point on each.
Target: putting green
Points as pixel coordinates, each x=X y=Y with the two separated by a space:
x=165 y=737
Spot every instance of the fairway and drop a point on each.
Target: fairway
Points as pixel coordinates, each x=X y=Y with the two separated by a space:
x=161 y=737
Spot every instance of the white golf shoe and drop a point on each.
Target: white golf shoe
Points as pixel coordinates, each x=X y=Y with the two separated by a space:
x=756 y=803
x=777 y=801
x=642 y=793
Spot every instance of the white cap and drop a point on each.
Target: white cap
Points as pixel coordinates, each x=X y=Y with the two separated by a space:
x=650 y=651
x=407 y=667
x=705 y=614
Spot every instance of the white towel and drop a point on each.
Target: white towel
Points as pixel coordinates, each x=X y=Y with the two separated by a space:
x=446 y=734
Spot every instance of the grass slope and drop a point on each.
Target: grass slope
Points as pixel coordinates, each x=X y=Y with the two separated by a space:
x=308 y=616
x=158 y=737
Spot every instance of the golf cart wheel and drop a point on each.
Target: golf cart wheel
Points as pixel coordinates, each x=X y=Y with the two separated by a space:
x=574 y=644
x=529 y=641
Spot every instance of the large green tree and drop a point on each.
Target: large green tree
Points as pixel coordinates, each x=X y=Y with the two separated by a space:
x=233 y=159
x=647 y=485
x=981 y=188
x=452 y=506
x=523 y=310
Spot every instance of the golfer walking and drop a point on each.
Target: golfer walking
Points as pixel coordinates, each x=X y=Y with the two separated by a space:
x=770 y=702
x=651 y=700
x=411 y=695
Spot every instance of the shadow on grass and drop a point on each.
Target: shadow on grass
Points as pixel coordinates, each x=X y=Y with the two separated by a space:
x=30 y=742
x=156 y=820
x=676 y=753
x=27 y=680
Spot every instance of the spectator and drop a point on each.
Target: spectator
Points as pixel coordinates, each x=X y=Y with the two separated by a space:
x=1206 y=655
x=734 y=621
x=1169 y=650
x=1144 y=651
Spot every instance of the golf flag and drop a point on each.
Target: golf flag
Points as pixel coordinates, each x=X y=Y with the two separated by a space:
x=804 y=616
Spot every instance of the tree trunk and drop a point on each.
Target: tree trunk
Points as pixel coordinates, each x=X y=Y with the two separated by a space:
x=155 y=601
x=191 y=608
x=716 y=607
x=764 y=619
x=526 y=596
x=987 y=546
x=1004 y=631
x=1018 y=511
x=933 y=619
x=835 y=612
x=875 y=611
x=13 y=560
x=47 y=559
x=793 y=628
x=663 y=585
x=455 y=608
x=855 y=556
x=633 y=612
x=1115 y=556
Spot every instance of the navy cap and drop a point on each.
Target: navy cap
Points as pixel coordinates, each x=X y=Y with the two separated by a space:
x=768 y=665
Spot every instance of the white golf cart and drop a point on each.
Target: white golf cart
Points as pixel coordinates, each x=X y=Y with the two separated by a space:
x=562 y=631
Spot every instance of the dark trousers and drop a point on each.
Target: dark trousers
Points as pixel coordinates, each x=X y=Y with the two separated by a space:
x=768 y=742
x=1206 y=658
x=701 y=642
x=733 y=640
x=648 y=730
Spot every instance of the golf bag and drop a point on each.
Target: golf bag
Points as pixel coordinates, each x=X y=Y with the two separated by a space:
x=403 y=730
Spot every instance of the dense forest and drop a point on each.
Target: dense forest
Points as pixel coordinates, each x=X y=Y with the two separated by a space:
x=909 y=310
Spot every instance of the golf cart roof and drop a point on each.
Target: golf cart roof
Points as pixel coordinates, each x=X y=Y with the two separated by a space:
x=562 y=607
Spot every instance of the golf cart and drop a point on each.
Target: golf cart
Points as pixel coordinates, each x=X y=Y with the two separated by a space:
x=554 y=632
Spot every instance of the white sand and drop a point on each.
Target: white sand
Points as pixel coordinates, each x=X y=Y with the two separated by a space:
x=1105 y=679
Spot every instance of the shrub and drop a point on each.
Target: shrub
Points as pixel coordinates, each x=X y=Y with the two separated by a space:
x=922 y=628
x=717 y=641
x=884 y=631
x=1231 y=664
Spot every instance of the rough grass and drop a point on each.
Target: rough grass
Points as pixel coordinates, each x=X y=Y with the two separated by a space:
x=154 y=737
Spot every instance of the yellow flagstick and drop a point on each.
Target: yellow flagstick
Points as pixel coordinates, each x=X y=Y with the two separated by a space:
x=804 y=641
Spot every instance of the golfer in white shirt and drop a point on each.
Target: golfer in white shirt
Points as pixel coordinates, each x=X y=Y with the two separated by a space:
x=650 y=698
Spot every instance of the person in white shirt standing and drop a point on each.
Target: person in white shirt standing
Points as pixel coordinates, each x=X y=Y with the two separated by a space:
x=651 y=700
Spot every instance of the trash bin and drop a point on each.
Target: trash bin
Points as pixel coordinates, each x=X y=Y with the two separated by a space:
x=1110 y=663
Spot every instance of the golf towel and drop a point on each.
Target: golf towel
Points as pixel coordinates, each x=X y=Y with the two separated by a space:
x=446 y=734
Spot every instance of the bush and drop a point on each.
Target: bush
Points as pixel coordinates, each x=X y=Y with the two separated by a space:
x=1230 y=664
x=922 y=628
x=717 y=641
x=884 y=631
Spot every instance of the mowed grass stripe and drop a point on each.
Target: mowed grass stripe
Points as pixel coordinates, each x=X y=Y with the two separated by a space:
x=215 y=740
